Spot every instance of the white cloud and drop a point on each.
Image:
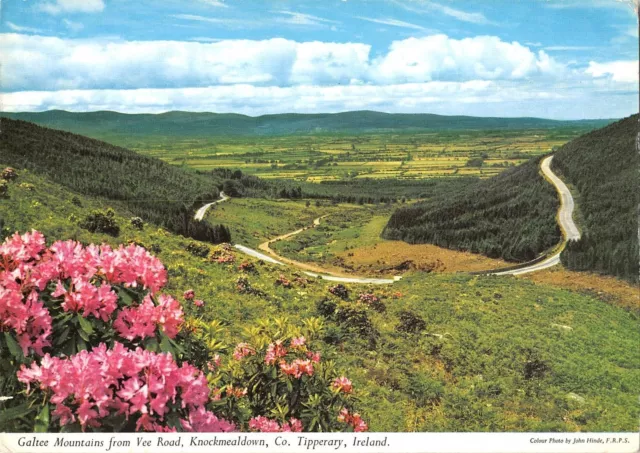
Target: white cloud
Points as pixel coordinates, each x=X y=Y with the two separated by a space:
x=439 y=57
x=435 y=73
x=423 y=6
x=392 y=22
x=624 y=71
x=73 y=26
x=224 y=22
x=87 y=64
x=569 y=48
x=464 y=16
x=21 y=29
x=216 y=3
x=294 y=18
x=481 y=98
x=72 y=6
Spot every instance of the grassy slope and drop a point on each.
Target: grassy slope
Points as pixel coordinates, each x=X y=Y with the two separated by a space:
x=103 y=123
x=603 y=167
x=509 y=216
x=470 y=379
x=254 y=221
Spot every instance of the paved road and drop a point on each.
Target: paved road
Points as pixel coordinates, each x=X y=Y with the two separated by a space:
x=203 y=210
x=565 y=219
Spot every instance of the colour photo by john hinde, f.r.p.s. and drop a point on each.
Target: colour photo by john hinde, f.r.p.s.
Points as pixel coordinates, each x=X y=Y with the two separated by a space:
x=291 y=225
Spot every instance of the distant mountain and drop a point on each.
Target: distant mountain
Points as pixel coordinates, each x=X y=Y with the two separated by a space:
x=105 y=123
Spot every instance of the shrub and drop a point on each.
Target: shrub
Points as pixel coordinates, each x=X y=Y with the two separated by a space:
x=411 y=323
x=101 y=222
x=4 y=188
x=9 y=174
x=373 y=301
x=137 y=223
x=199 y=250
x=340 y=291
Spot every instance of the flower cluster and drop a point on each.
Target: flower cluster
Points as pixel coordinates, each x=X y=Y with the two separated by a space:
x=141 y=321
x=190 y=295
x=358 y=424
x=246 y=266
x=91 y=386
x=283 y=281
x=342 y=384
x=368 y=298
x=81 y=280
x=265 y=425
x=297 y=368
x=242 y=350
x=223 y=255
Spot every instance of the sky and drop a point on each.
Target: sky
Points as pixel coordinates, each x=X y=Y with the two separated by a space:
x=561 y=59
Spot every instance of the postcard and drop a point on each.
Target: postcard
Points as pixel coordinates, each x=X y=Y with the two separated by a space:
x=317 y=226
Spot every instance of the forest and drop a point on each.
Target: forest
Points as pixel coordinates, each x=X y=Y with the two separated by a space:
x=510 y=216
x=157 y=192
x=603 y=167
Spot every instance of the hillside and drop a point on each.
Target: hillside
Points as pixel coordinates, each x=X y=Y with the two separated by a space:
x=104 y=124
x=439 y=353
x=603 y=167
x=147 y=187
x=510 y=216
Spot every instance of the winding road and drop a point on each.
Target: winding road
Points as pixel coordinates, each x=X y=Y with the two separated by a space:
x=569 y=229
x=203 y=210
x=565 y=220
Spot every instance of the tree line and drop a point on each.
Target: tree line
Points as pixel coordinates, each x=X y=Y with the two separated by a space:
x=510 y=216
x=149 y=188
x=603 y=168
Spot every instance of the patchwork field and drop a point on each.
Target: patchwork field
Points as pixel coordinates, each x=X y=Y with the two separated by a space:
x=324 y=158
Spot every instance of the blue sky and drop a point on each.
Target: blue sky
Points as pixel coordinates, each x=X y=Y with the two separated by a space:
x=546 y=58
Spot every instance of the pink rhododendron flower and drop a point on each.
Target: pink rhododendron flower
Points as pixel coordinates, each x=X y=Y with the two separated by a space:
x=265 y=425
x=297 y=368
x=358 y=424
x=92 y=385
x=274 y=352
x=242 y=350
x=314 y=356
x=189 y=294
x=198 y=303
x=298 y=343
x=342 y=384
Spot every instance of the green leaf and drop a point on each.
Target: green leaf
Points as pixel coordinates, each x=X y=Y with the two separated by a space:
x=42 y=420
x=83 y=335
x=85 y=325
x=165 y=345
x=63 y=336
x=81 y=345
x=14 y=412
x=13 y=346
x=151 y=344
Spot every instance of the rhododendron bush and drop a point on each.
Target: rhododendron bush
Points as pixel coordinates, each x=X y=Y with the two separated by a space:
x=89 y=342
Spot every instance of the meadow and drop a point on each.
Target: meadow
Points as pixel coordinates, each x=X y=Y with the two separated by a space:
x=316 y=158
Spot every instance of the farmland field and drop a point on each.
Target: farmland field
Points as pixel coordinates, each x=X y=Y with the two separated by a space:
x=315 y=158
